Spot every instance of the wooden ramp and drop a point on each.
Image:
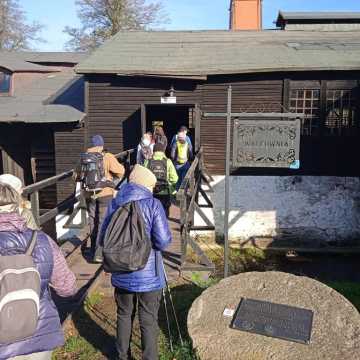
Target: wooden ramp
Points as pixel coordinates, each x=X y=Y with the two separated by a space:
x=86 y=274
x=172 y=255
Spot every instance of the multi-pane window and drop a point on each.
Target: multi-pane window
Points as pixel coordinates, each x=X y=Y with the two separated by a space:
x=4 y=83
x=340 y=112
x=307 y=102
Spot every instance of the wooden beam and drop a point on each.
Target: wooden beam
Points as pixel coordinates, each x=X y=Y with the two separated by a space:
x=257 y=115
x=197 y=126
x=143 y=118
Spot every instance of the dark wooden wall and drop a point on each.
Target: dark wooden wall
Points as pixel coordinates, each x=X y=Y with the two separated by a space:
x=69 y=143
x=114 y=111
x=249 y=93
x=114 y=106
x=28 y=152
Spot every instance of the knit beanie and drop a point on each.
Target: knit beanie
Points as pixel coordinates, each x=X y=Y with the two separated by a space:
x=143 y=176
x=12 y=181
x=97 y=140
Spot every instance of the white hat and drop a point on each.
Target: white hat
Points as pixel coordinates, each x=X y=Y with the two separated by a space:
x=12 y=181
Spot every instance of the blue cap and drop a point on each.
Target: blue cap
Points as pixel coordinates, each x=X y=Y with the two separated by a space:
x=97 y=140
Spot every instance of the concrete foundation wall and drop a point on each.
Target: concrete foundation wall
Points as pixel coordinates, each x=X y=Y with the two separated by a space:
x=306 y=208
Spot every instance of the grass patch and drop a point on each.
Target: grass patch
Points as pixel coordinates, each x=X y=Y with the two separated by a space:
x=76 y=347
x=93 y=300
x=240 y=260
x=350 y=290
x=94 y=326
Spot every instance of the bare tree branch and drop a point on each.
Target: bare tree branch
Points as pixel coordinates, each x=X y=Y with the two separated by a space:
x=15 y=32
x=101 y=19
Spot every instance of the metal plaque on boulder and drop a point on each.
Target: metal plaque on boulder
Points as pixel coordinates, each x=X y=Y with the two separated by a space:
x=270 y=143
x=274 y=320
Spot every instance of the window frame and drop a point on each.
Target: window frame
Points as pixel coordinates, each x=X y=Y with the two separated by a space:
x=325 y=87
x=10 y=75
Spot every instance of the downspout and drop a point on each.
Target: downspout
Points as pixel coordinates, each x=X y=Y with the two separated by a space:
x=231 y=15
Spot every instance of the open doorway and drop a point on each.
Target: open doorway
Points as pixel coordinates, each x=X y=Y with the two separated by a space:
x=171 y=118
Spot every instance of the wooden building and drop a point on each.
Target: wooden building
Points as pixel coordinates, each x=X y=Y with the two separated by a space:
x=314 y=73
x=40 y=98
x=317 y=73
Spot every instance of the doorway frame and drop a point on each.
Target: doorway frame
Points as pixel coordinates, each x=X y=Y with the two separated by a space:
x=197 y=123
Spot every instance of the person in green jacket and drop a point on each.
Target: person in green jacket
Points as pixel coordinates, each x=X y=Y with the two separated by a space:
x=166 y=175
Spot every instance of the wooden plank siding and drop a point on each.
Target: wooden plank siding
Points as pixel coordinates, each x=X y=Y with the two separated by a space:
x=43 y=161
x=114 y=106
x=248 y=94
x=69 y=143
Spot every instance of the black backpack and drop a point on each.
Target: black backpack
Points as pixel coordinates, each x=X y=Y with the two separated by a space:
x=92 y=173
x=159 y=169
x=126 y=245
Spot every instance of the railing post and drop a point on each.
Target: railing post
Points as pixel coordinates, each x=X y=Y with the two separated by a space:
x=183 y=226
x=35 y=207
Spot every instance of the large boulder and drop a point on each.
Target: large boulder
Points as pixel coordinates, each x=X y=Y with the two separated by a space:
x=336 y=323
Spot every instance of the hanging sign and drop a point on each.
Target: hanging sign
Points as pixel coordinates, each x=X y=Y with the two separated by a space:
x=168 y=100
x=266 y=143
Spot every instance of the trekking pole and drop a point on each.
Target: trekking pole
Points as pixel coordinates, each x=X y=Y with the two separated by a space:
x=168 y=322
x=173 y=307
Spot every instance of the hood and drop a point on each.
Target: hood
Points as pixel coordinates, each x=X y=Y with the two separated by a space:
x=132 y=192
x=159 y=155
x=12 y=222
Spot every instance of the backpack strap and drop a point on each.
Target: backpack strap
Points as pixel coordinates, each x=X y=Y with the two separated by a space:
x=32 y=244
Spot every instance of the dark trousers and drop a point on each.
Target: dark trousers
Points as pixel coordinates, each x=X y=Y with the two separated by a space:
x=97 y=210
x=148 y=307
x=165 y=201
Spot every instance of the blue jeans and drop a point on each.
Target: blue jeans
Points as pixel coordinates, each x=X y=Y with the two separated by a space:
x=181 y=169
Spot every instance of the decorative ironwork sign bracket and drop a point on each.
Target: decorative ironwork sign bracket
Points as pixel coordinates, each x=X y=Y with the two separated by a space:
x=265 y=139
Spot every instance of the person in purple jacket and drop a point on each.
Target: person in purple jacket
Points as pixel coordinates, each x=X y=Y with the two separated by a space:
x=15 y=238
x=142 y=287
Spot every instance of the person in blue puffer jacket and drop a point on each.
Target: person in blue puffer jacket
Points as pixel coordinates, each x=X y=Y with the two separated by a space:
x=143 y=286
x=15 y=237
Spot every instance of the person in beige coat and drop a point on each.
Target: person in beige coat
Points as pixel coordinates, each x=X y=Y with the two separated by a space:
x=97 y=203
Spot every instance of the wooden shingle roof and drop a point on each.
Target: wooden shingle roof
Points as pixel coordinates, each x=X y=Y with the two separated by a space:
x=52 y=98
x=202 y=53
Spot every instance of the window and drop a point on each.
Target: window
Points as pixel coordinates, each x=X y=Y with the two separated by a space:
x=4 y=83
x=340 y=112
x=307 y=101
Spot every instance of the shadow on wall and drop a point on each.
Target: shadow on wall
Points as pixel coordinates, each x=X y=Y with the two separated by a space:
x=281 y=211
x=131 y=129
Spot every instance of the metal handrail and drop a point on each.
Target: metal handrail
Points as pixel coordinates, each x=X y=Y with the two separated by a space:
x=32 y=191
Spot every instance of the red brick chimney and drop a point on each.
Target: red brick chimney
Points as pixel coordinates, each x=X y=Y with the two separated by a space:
x=245 y=14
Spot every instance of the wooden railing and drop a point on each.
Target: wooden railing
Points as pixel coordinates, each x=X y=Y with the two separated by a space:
x=32 y=191
x=188 y=197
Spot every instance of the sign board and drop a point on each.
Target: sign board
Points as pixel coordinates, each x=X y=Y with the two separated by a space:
x=274 y=320
x=266 y=143
x=168 y=100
